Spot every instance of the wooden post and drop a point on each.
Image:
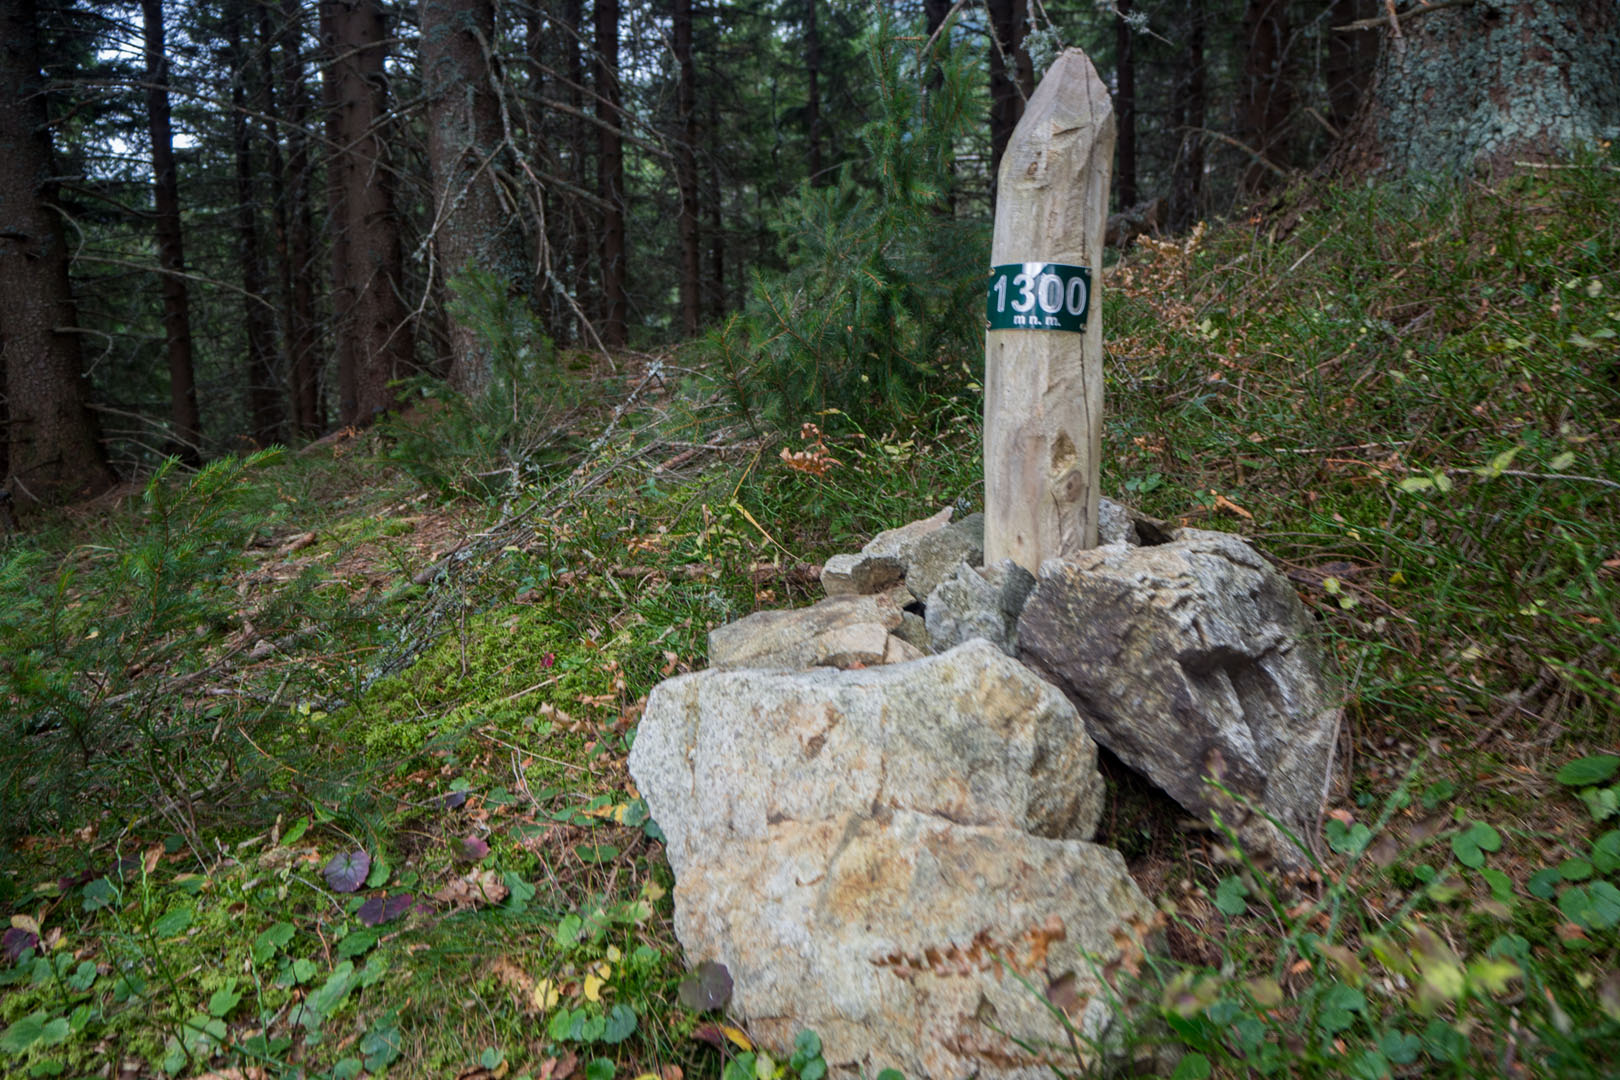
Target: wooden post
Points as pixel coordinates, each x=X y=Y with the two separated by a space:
x=1043 y=375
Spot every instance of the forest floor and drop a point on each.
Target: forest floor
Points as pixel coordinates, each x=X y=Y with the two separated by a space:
x=316 y=760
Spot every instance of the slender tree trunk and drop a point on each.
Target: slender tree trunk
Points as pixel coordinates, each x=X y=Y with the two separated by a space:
x=610 y=173
x=372 y=324
x=52 y=452
x=1007 y=21
x=1125 y=105
x=1350 y=60
x=1187 y=176
x=297 y=245
x=466 y=147
x=187 y=424
x=934 y=15
x=717 y=225
x=686 y=176
x=1267 y=91
x=812 y=104
x=581 y=221
x=264 y=402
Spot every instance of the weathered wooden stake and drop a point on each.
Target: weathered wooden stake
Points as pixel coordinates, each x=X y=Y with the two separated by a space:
x=1043 y=375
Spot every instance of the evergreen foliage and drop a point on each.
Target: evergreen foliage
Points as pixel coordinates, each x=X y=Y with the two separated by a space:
x=877 y=304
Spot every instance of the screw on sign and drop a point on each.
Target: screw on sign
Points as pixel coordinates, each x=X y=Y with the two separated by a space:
x=1043 y=348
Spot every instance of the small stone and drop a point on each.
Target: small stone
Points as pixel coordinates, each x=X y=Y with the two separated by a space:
x=932 y=557
x=861 y=575
x=889 y=542
x=805 y=637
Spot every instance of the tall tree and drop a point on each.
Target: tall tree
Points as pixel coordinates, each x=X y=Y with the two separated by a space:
x=295 y=231
x=580 y=221
x=1267 y=90
x=1125 y=104
x=686 y=176
x=1007 y=92
x=264 y=400
x=812 y=103
x=52 y=451
x=186 y=432
x=374 y=333
x=466 y=149
x=1487 y=84
x=1187 y=172
x=610 y=172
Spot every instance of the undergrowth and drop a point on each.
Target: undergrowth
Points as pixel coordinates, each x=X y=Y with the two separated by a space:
x=387 y=686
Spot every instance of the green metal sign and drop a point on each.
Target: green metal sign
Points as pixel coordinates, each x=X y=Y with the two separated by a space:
x=1038 y=296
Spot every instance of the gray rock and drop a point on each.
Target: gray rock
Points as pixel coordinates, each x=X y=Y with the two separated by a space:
x=979 y=604
x=1113 y=524
x=915 y=630
x=1192 y=659
x=828 y=633
x=932 y=557
x=858 y=846
x=911 y=942
x=860 y=575
x=887 y=544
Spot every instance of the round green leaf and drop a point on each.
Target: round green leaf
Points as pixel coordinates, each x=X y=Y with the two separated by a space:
x=1192 y=1066
x=1586 y=771
x=1574 y=869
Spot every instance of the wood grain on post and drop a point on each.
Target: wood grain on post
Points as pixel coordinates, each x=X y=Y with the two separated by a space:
x=1044 y=388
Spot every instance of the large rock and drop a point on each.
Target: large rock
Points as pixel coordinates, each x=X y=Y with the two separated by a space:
x=858 y=846
x=970 y=736
x=1193 y=659
x=879 y=566
x=840 y=631
x=911 y=942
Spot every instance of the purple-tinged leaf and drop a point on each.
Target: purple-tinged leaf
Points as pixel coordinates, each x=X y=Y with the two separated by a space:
x=347 y=870
x=708 y=987
x=451 y=799
x=473 y=848
x=381 y=909
x=15 y=941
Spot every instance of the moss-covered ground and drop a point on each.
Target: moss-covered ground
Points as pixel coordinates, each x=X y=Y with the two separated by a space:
x=278 y=801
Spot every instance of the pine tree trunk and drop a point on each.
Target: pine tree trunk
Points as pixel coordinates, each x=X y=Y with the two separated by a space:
x=186 y=436
x=812 y=102
x=264 y=402
x=472 y=230
x=1486 y=84
x=1007 y=22
x=52 y=452
x=297 y=231
x=374 y=333
x=582 y=224
x=1187 y=176
x=1267 y=92
x=610 y=173
x=717 y=226
x=686 y=175
x=1125 y=106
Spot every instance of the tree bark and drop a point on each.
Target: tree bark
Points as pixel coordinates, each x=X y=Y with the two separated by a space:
x=1267 y=91
x=1487 y=84
x=1187 y=175
x=373 y=328
x=812 y=103
x=686 y=175
x=473 y=231
x=1125 y=105
x=581 y=221
x=52 y=452
x=186 y=436
x=610 y=173
x=1007 y=23
x=264 y=401
x=1350 y=59
x=296 y=233
x=717 y=225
